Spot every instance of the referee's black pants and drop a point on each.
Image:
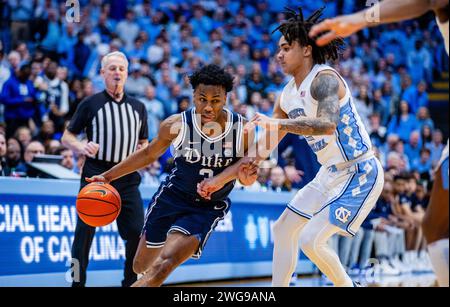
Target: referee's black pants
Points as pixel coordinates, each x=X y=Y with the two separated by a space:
x=129 y=223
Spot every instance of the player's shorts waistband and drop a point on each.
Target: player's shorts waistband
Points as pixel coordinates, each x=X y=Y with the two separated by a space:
x=345 y=165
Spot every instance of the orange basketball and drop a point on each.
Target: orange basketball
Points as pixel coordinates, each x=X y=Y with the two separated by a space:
x=98 y=204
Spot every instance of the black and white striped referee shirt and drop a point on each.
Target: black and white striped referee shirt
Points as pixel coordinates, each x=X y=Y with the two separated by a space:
x=116 y=126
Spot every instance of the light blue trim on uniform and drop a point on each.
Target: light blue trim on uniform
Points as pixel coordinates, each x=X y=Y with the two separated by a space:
x=444 y=173
x=302 y=214
x=355 y=134
x=341 y=148
x=354 y=199
x=353 y=108
x=365 y=198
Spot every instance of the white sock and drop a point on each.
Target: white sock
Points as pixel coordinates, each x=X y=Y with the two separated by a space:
x=438 y=252
x=285 y=252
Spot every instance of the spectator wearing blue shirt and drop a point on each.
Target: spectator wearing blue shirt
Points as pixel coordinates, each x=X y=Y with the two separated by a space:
x=403 y=123
x=410 y=38
x=436 y=147
x=377 y=132
x=138 y=51
x=400 y=149
x=54 y=33
x=155 y=111
x=104 y=28
x=136 y=83
x=19 y=96
x=128 y=29
x=381 y=106
x=423 y=166
x=21 y=15
x=419 y=63
x=412 y=148
x=423 y=118
x=276 y=85
x=266 y=107
x=255 y=83
x=416 y=97
x=201 y=24
x=80 y=55
x=152 y=24
x=256 y=29
x=198 y=49
x=392 y=100
x=67 y=40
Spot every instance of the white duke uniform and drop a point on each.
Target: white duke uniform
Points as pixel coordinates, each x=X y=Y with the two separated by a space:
x=351 y=178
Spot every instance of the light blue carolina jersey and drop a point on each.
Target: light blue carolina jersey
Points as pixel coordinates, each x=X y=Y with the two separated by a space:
x=350 y=139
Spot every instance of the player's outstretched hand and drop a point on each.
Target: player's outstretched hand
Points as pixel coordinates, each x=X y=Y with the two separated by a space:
x=293 y=174
x=97 y=178
x=207 y=187
x=249 y=127
x=265 y=122
x=248 y=172
x=330 y=29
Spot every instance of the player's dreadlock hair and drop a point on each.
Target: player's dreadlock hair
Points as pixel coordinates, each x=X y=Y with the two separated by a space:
x=212 y=75
x=296 y=28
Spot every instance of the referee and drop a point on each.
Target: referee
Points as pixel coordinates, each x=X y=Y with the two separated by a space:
x=115 y=125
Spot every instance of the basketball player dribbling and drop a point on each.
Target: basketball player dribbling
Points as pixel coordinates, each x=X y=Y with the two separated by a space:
x=207 y=139
x=436 y=222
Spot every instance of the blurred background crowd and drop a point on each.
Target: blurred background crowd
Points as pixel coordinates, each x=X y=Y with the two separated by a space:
x=398 y=75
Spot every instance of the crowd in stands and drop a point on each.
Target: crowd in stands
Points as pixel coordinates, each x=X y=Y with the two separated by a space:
x=49 y=64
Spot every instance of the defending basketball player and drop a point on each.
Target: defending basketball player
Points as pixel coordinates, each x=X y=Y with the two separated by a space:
x=207 y=139
x=317 y=103
x=435 y=223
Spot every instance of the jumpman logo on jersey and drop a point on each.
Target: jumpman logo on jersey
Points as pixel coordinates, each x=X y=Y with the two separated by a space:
x=342 y=214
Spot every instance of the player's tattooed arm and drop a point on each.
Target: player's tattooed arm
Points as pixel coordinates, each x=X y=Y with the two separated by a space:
x=325 y=89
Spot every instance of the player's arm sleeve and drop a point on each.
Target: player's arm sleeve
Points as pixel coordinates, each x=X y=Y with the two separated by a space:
x=80 y=118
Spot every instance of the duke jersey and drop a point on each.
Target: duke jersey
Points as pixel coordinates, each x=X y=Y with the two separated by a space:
x=349 y=141
x=198 y=156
